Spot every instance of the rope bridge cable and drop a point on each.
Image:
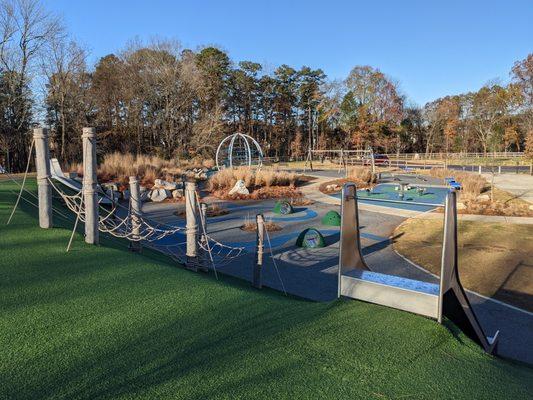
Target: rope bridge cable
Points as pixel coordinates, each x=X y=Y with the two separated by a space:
x=274 y=261
x=24 y=190
x=223 y=254
x=120 y=227
x=23 y=182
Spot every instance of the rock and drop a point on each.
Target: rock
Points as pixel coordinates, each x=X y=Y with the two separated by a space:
x=531 y=207
x=177 y=194
x=239 y=188
x=200 y=175
x=332 y=187
x=158 y=195
x=161 y=184
x=461 y=206
x=483 y=197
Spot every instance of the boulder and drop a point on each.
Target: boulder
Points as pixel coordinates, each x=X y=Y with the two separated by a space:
x=531 y=207
x=483 y=197
x=161 y=184
x=239 y=188
x=157 y=195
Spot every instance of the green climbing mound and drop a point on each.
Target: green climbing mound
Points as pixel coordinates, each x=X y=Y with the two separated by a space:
x=310 y=238
x=332 y=218
x=283 y=207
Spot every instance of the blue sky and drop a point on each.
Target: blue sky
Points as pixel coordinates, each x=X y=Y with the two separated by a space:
x=431 y=48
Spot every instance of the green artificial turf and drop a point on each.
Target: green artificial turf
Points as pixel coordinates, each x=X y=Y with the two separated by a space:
x=101 y=322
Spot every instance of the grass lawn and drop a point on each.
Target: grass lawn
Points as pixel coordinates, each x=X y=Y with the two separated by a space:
x=101 y=322
x=495 y=259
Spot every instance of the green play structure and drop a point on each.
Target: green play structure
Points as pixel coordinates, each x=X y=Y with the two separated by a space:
x=332 y=218
x=310 y=238
x=283 y=207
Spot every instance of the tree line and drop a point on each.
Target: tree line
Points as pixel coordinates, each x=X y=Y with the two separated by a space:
x=159 y=98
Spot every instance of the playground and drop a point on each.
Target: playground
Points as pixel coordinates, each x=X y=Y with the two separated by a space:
x=176 y=286
x=101 y=321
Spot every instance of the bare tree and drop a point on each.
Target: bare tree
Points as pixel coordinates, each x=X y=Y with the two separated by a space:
x=26 y=28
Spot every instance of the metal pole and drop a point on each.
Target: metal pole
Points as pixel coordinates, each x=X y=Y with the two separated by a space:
x=89 y=186
x=191 y=227
x=42 y=163
x=136 y=212
x=259 y=252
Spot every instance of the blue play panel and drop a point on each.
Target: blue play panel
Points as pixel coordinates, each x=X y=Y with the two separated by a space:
x=389 y=195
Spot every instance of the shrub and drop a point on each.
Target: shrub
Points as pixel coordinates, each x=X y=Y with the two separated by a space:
x=361 y=175
x=472 y=184
x=264 y=177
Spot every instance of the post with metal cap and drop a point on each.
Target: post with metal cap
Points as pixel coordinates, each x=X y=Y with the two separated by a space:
x=42 y=163
x=90 y=197
x=136 y=213
x=259 y=252
x=191 y=226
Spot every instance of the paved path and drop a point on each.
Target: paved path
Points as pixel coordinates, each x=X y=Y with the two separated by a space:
x=520 y=185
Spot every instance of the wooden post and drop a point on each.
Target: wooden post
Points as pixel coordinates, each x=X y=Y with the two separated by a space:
x=191 y=226
x=259 y=252
x=89 y=186
x=136 y=213
x=42 y=163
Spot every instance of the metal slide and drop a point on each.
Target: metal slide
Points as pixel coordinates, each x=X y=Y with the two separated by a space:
x=446 y=299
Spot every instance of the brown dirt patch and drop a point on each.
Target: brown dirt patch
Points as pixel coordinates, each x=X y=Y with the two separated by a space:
x=495 y=259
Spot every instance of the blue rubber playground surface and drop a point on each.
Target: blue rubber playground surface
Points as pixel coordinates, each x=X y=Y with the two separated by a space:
x=389 y=195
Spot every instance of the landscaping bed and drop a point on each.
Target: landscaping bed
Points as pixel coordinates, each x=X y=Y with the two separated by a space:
x=264 y=183
x=361 y=176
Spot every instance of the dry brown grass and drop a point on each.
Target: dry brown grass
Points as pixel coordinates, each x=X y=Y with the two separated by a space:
x=471 y=184
x=119 y=167
x=251 y=226
x=215 y=210
x=360 y=175
x=253 y=179
x=495 y=259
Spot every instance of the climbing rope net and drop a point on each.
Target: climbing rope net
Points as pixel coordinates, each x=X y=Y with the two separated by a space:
x=122 y=222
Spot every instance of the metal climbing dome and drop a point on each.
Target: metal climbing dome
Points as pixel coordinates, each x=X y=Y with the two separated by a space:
x=238 y=150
